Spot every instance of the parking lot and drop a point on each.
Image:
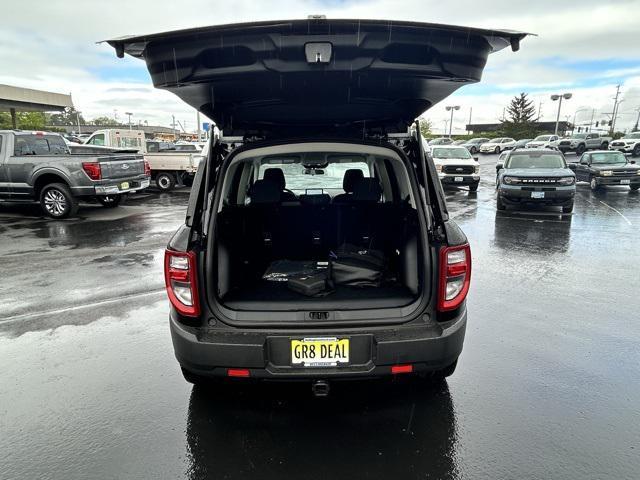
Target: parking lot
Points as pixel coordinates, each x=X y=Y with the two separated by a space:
x=547 y=385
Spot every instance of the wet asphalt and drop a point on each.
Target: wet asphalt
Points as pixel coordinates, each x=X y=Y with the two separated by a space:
x=547 y=385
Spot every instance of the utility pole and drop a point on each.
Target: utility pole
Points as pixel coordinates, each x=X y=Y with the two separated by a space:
x=470 y=110
x=540 y=110
x=78 y=119
x=635 y=128
x=198 y=123
x=615 y=110
x=593 y=112
x=451 y=108
x=173 y=125
x=557 y=97
x=128 y=114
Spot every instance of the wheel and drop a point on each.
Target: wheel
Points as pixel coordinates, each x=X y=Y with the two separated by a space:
x=567 y=209
x=634 y=187
x=474 y=187
x=636 y=150
x=57 y=202
x=110 y=201
x=499 y=204
x=497 y=151
x=604 y=146
x=594 y=184
x=580 y=150
x=473 y=150
x=165 y=181
x=446 y=371
x=192 y=378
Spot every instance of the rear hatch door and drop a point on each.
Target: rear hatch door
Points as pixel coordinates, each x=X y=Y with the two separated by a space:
x=283 y=77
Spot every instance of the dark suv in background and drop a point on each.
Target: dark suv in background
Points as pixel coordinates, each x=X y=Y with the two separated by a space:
x=329 y=177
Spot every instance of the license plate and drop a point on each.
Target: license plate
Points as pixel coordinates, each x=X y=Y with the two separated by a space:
x=625 y=182
x=537 y=194
x=320 y=352
x=124 y=185
x=458 y=179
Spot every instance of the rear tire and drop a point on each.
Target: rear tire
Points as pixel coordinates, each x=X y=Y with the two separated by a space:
x=634 y=187
x=636 y=151
x=567 y=209
x=604 y=146
x=57 y=201
x=499 y=204
x=580 y=150
x=446 y=372
x=473 y=150
x=193 y=378
x=497 y=151
x=165 y=181
x=110 y=201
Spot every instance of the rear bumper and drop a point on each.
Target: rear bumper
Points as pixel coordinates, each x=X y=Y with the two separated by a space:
x=112 y=187
x=622 y=148
x=210 y=352
x=513 y=195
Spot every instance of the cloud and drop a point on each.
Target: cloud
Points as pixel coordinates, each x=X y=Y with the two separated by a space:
x=56 y=50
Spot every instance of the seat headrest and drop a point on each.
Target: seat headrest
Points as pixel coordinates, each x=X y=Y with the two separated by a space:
x=265 y=191
x=351 y=177
x=367 y=190
x=275 y=175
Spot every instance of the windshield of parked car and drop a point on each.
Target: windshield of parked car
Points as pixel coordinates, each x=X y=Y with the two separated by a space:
x=496 y=140
x=299 y=178
x=579 y=135
x=542 y=138
x=477 y=140
x=535 y=160
x=450 y=153
x=608 y=158
x=633 y=135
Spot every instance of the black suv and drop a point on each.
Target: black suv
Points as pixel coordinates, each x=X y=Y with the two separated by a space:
x=328 y=163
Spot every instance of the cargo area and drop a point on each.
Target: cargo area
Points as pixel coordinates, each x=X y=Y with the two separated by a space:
x=305 y=208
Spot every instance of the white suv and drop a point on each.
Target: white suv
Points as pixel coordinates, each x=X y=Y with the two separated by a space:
x=544 y=141
x=497 y=145
x=456 y=166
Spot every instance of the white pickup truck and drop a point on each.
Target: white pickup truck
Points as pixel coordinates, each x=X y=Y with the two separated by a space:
x=168 y=168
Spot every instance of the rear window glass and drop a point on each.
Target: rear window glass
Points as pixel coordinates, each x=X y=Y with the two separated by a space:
x=608 y=158
x=128 y=142
x=39 y=145
x=540 y=160
x=298 y=178
x=187 y=148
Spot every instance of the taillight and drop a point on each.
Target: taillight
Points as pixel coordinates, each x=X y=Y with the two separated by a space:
x=455 y=276
x=147 y=169
x=92 y=169
x=181 y=281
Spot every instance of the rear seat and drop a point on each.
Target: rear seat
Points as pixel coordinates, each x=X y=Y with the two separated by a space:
x=267 y=230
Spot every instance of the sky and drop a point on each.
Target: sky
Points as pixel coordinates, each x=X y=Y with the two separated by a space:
x=585 y=47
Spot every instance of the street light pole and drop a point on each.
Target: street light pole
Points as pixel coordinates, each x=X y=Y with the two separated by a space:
x=451 y=108
x=78 y=120
x=128 y=114
x=555 y=97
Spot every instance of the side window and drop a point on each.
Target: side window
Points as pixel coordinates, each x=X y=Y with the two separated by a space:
x=97 y=139
x=585 y=158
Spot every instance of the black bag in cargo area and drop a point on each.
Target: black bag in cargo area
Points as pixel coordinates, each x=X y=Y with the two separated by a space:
x=357 y=267
x=311 y=285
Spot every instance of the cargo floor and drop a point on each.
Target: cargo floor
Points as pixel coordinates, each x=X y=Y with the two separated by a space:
x=276 y=296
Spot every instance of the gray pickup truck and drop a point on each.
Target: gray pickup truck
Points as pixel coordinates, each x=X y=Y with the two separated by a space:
x=39 y=166
x=581 y=142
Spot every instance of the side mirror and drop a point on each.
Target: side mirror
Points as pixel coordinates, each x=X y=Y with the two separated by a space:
x=633 y=162
x=572 y=166
x=475 y=158
x=499 y=167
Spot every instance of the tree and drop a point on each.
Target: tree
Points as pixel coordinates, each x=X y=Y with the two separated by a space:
x=425 y=127
x=24 y=120
x=521 y=110
x=68 y=117
x=105 y=122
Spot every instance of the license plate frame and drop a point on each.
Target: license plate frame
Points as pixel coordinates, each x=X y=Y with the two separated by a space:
x=320 y=352
x=625 y=181
x=124 y=186
x=537 y=195
x=458 y=179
